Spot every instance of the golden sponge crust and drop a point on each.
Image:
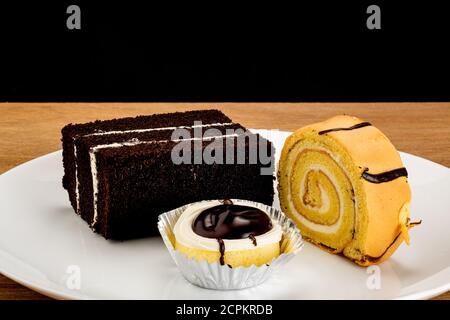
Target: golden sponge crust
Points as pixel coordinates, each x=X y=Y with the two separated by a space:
x=237 y=258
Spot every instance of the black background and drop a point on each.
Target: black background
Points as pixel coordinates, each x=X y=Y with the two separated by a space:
x=126 y=51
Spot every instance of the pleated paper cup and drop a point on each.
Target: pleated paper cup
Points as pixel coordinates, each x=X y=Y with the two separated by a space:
x=222 y=277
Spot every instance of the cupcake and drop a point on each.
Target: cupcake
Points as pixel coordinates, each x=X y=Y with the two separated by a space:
x=229 y=244
x=225 y=233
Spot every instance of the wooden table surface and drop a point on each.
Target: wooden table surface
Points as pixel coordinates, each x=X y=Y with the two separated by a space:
x=30 y=130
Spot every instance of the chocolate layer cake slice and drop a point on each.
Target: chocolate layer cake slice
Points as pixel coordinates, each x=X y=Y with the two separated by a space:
x=121 y=174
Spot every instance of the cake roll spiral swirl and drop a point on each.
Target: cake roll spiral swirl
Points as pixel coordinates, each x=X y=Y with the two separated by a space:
x=344 y=184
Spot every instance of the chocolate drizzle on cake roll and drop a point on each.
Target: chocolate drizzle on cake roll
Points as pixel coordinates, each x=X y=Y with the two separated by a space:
x=384 y=176
x=356 y=126
x=229 y=221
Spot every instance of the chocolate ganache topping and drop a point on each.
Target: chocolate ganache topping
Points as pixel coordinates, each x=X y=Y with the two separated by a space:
x=230 y=221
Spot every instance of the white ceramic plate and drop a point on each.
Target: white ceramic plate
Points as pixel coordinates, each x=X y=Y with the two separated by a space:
x=45 y=246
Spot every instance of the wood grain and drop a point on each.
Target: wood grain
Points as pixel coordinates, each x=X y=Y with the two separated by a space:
x=29 y=130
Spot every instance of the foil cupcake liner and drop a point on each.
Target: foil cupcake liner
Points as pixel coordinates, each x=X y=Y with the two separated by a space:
x=222 y=277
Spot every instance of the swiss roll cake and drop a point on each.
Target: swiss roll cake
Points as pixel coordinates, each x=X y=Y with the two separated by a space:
x=344 y=184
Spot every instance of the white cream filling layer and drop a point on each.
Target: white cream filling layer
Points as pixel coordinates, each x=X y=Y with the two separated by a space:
x=77 y=187
x=77 y=184
x=185 y=235
x=102 y=133
x=326 y=203
x=129 y=143
x=328 y=229
x=94 y=184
